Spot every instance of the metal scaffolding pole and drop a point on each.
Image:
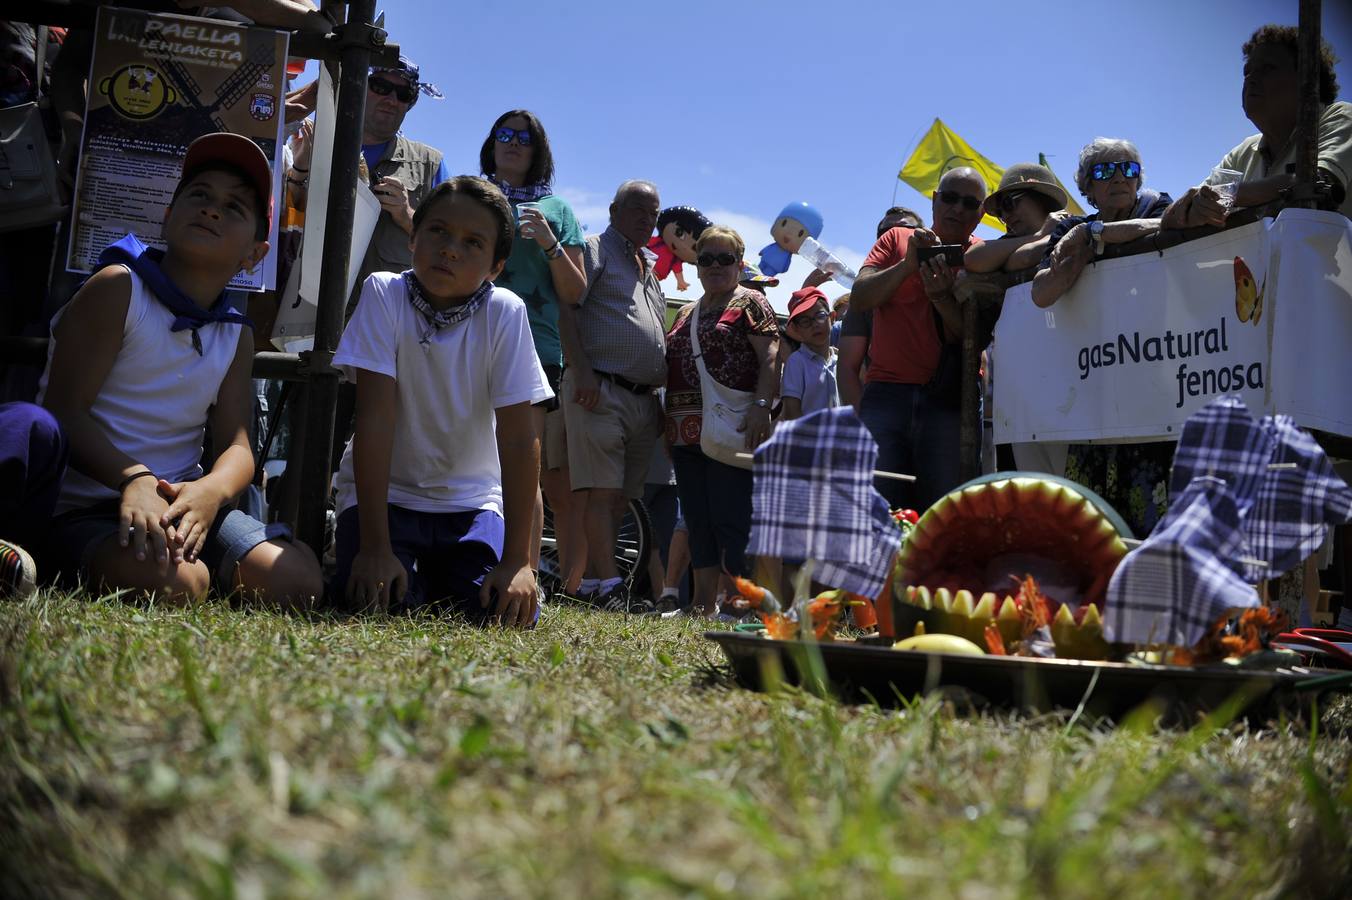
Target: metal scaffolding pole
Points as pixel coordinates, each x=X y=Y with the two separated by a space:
x=1292 y=587
x=357 y=38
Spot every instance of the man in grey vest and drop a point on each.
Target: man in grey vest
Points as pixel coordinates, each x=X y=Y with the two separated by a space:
x=402 y=171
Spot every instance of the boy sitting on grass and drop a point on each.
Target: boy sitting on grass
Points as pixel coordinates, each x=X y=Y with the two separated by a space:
x=809 y=381
x=147 y=354
x=431 y=512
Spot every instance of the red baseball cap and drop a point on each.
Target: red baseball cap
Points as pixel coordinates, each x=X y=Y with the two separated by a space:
x=804 y=299
x=235 y=150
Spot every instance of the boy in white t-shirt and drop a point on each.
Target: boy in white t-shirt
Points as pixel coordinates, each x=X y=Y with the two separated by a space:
x=809 y=380
x=147 y=355
x=437 y=486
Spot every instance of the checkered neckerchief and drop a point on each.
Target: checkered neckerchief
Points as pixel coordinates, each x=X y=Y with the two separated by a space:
x=1177 y=583
x=813 y=498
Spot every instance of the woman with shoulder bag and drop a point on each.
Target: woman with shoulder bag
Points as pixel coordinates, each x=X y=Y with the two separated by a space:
x=721 y=381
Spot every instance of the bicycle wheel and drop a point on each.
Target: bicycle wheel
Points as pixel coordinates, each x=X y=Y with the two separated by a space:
x=632 y=548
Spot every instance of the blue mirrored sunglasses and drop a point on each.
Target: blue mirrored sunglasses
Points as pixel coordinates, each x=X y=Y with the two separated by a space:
x=504 y=135
x=1105 y=171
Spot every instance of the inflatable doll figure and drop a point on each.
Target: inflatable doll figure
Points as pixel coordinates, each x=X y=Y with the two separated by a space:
x=794 y=222
x=678 y=227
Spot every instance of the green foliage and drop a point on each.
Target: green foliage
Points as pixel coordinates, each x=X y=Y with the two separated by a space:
x=219 y=752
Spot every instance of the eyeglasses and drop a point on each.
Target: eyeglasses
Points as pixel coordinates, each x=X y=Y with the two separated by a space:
x=382 y=88
x=709 y=260
x=971 y=204
x=808 y=319
x=504 y=135
x=1006 y=204
x=1105 y=171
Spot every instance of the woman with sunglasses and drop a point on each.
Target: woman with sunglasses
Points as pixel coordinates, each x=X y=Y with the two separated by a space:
x=737 y=335
x=1111 y=178
x=1031 y=204
x=1134 y=478
x=545 y=266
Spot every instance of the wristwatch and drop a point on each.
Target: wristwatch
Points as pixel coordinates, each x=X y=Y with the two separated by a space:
x=762 y=403
x=1096 y=236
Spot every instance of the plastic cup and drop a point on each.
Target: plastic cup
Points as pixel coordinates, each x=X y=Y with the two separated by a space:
x=522 y=207
x=1226 y=183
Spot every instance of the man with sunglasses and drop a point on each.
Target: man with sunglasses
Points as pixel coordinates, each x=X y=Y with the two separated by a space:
x=916 y=429
x=402 y=171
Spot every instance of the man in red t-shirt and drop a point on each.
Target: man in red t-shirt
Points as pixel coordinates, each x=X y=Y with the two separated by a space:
x=917 y=433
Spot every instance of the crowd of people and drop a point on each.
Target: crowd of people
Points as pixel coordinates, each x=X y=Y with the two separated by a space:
x=500 y=359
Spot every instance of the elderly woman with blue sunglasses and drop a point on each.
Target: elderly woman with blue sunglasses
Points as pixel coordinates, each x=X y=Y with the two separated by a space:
x=1111 y=178
x=1132 y=477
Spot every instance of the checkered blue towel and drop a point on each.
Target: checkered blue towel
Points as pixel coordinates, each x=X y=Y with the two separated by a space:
x=1284 y=513
x=813 y=498
x=1174 y=586
x=1294 y=507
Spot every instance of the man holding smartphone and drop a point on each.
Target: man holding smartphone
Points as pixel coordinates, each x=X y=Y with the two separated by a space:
x=909 y=286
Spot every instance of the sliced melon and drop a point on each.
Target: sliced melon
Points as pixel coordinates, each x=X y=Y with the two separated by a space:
x=1024 y=519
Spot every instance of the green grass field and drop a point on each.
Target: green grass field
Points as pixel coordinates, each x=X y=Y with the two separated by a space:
x=212 y=752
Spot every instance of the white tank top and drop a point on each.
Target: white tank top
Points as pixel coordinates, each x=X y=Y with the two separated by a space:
x=153 y=405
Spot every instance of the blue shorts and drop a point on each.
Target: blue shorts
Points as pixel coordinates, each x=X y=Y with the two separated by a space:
x=75 y=537
x=447 y=557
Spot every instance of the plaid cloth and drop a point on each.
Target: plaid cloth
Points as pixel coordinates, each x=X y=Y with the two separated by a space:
x=1283 y=513
x=813 y=498
x=1174 y=586
x=1294 y=507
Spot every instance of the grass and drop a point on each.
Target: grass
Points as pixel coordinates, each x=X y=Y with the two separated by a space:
x=213 y=752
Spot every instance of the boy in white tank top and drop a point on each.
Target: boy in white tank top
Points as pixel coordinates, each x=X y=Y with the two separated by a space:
x=142 y=359
x=437 y=486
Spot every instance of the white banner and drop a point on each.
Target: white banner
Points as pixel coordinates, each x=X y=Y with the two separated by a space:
x=1264 y=311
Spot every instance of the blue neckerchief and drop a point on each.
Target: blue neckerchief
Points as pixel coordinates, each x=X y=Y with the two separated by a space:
x=145 y=262
x=528 y=193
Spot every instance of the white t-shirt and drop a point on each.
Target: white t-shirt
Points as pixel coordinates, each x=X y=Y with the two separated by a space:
x=153 y=406
x=445 y=454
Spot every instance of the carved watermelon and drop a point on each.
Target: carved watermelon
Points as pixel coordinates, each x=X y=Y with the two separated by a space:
x=984 y=535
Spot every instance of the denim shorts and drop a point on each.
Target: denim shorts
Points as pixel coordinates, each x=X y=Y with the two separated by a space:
x=76 y=535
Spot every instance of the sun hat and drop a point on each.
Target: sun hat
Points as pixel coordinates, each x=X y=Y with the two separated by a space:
x=1026 y=177
x=751 y=275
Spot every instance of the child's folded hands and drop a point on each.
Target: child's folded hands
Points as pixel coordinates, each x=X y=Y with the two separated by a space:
x=189 y=516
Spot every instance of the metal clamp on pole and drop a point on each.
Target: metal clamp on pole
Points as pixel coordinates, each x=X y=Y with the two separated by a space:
x=315 y=362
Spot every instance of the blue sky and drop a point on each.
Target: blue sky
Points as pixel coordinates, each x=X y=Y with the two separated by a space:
x=741 y=107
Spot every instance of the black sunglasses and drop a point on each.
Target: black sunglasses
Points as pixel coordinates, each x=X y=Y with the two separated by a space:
x=708 y=260
x=971 y=204
x=1007 y=203
x=504 y=135
x=382 y=88
x=1105 y=171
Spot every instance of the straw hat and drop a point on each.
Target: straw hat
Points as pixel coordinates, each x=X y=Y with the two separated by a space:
x=1026 y=177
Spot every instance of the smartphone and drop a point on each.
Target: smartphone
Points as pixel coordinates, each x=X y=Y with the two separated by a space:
x=952 y=254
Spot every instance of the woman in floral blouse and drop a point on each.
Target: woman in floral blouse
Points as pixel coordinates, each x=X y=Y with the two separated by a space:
x=738 y=334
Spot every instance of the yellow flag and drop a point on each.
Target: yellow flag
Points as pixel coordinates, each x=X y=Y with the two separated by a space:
x=1071 y=206
x=942 y=149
